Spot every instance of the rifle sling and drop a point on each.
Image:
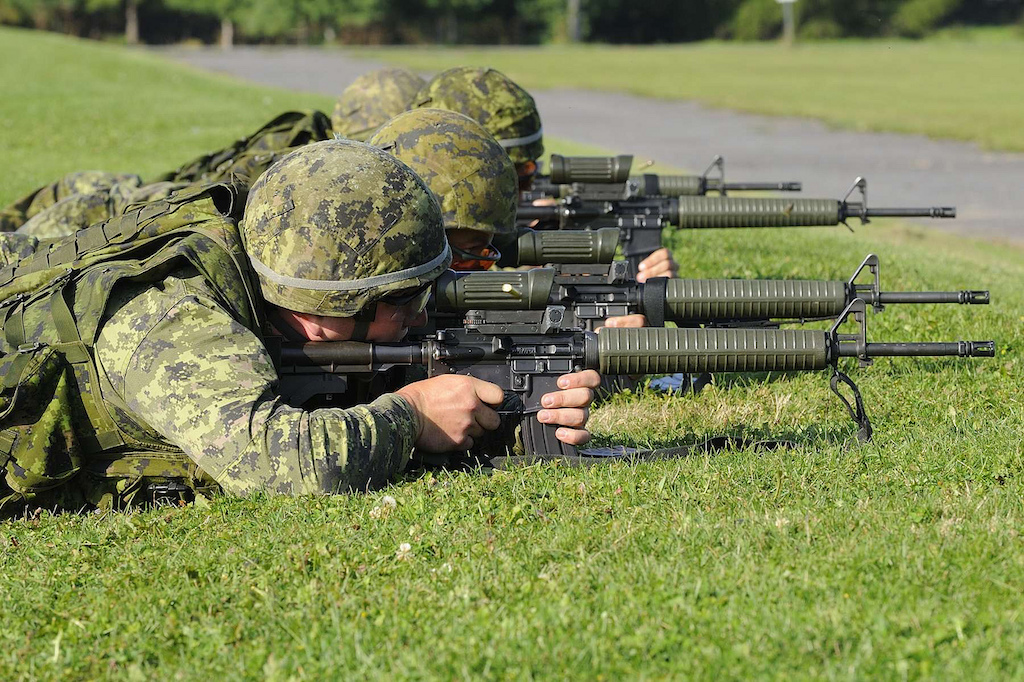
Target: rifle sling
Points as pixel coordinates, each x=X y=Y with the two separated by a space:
x=654 y=294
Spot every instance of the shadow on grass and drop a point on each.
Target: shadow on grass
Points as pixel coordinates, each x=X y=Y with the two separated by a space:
x=605 y=451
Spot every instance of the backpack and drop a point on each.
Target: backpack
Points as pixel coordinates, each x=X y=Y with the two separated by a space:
x=59 y=444
x=285 y=132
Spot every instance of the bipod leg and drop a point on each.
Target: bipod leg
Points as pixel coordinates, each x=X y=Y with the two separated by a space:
x=854 y=409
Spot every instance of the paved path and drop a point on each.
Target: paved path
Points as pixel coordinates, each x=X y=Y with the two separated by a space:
x=902 y=170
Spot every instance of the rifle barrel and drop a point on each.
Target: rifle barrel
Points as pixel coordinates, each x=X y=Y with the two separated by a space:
x=959 y=349
x=755 y=186
x=538 y=212
x=965 y=297
x=929 y=212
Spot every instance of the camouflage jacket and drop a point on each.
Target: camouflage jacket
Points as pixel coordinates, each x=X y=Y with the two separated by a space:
x=179 y=366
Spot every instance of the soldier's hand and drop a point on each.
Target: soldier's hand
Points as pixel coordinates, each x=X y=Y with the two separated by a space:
x=631 y=321
x=453 y=410
x=658 y=264
x=568 y=407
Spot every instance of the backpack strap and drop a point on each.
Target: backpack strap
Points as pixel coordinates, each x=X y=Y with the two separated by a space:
x=77 y=354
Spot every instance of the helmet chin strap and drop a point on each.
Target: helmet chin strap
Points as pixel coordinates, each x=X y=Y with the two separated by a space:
x=360 y=330
x=362 y=321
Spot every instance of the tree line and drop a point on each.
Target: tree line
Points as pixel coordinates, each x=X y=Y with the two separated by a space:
x=494 y=21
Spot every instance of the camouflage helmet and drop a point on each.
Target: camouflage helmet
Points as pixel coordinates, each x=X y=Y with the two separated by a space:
x=487 y=96
x=372 y=99
x=336 y=225
x=466 y=169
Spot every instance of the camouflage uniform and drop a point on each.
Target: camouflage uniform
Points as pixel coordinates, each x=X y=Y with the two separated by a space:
x=487 y=96
x=372 y=99
x=462 y=164
x=185 y=385
x=82 y=182
x=105 y=196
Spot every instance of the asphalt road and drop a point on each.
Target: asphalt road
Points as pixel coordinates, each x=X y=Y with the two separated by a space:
x=902 y=170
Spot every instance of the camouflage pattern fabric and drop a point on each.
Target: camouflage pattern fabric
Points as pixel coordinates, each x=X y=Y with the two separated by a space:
x=462 y=164
x=83 y=182
x=203 y=382
x=80 y=199
x=79 y=211
x=287 y=131
x=372 y=99
x=181 y=372
x=487 y=96
x=332 y=243
x=15 y=247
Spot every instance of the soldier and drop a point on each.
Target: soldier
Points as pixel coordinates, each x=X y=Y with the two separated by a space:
x=509 y=113
x=240 y=163
x=469 y=173
x=82 y=182
x=163 y=318
x=489 y=97
x=372 y=99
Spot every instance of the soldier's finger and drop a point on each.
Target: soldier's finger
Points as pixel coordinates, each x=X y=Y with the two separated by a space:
x=570 y=397
x=656 y=258
x=574 y=417
x=623 y=321
x=588 y=378
x=487 y=418
x=572 y=436
x=488 y=392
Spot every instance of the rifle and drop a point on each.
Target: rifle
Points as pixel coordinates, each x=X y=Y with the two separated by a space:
x=607 y=178
x=641 y=221
x=525 y=352
x=591 y=293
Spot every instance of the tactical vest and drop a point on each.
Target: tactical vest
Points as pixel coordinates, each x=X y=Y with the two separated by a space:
x=59 y=444
x=253 y=153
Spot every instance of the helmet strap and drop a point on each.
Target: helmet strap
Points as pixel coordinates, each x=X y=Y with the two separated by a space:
x=362 y=321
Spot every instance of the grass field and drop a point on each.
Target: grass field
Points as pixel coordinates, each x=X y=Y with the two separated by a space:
x=899 y=559
x=958 y=89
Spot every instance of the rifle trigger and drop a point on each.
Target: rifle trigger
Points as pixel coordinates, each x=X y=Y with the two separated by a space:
x=855 y=410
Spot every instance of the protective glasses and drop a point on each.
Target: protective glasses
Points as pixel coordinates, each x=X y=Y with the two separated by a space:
x=526 y=172
x=475 y=260
x=407 y=303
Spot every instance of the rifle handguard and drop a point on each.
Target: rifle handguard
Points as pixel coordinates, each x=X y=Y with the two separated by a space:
x=736 y=299
x=653 y=350
x=718 y=212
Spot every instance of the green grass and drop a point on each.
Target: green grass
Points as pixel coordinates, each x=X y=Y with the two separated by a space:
x=958 y=89
x=899 y=559
x=73 y=105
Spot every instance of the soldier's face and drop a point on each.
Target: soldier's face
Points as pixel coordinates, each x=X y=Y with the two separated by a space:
x=471 y=249
x=526 y=171
x=390 y=323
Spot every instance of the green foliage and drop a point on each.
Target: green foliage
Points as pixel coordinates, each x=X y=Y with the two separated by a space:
x=508 y=21
x=918 y=18
x=820 y=29
x=757 y=20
